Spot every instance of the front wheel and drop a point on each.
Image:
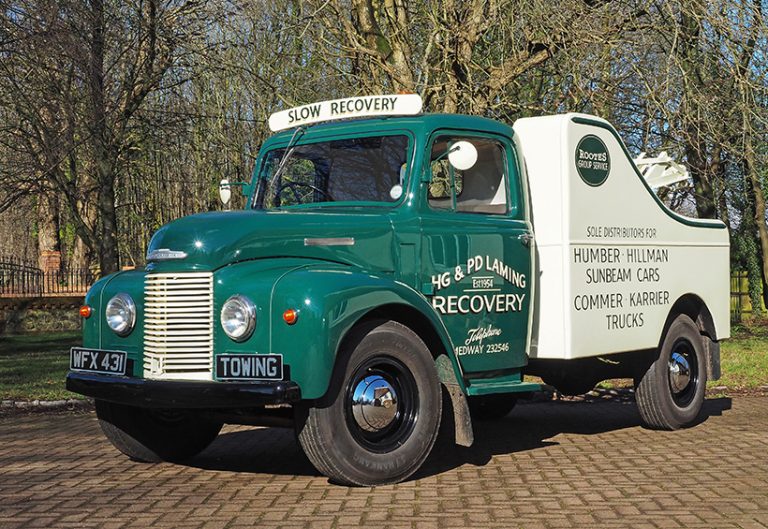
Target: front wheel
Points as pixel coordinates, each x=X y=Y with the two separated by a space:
x=151 y=436
x=384 y=416
x=671 y=392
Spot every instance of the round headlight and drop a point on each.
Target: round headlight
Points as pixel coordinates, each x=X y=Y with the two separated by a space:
x=238 y=318
x=121 y=314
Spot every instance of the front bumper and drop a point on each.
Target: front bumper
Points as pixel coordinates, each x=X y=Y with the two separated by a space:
x=146 y=393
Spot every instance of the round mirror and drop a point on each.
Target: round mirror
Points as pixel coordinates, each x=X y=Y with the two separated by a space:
x=396 y=191
x=462 y=155
x=225 y=192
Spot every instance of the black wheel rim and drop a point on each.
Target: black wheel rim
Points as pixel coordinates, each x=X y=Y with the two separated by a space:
x=683 y=372
x=381 y=404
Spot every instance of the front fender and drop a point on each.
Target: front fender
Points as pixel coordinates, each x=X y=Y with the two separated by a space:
x=92 y=324
x=330 y=300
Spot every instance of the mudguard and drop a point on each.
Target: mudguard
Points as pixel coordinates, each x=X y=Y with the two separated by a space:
x=329 y=300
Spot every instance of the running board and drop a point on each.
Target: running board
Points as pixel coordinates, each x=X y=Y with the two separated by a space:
x=504 y=384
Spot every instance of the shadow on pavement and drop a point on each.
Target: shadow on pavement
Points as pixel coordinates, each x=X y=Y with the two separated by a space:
x=532 y=426
x=258 y=451
x=527 y=427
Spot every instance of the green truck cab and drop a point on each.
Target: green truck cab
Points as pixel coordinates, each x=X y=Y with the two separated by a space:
x=384 y=267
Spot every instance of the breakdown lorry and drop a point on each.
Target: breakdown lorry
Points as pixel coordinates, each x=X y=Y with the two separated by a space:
x=391 y=263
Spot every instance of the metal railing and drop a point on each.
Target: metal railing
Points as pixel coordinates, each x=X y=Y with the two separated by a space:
x=20 y=278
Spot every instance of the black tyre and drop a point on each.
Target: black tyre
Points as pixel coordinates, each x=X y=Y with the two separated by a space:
x=491 y=407
x=152 y=436
x=671 y=392
x=382 y=420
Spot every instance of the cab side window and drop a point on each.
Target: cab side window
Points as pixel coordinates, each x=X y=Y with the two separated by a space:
x=480 y=189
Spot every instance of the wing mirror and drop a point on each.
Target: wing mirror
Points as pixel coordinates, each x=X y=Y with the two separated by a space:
x=462 y=155
x=225 y=189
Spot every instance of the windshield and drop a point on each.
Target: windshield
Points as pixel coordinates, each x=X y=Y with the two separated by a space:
x=352 y=170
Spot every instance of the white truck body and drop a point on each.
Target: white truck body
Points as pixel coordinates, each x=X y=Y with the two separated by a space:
x=611 y=259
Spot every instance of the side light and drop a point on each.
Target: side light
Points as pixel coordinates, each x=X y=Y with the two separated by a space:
x=85 y=311
x=290 y=316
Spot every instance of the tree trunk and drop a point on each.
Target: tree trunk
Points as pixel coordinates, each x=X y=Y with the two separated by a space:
x=718 y=178
x=103 y=156
x=108 y=256
x=692 y=121
x=48 y=240
x=695 y=153
x=758 y=197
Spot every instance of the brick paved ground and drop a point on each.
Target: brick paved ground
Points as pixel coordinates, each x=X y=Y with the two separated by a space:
x=546 y=465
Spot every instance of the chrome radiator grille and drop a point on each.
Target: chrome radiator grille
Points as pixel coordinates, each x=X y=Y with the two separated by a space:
x=178 y=326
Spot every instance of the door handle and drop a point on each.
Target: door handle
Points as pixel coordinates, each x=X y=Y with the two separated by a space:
x=525 y=238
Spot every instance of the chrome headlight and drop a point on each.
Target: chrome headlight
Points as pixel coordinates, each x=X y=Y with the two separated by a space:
x=121 y=314
x=238 y=317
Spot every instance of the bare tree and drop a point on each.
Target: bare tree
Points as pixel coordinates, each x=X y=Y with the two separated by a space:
x=96 y=63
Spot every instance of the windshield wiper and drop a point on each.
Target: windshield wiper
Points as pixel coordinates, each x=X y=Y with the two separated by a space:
x=283 y=161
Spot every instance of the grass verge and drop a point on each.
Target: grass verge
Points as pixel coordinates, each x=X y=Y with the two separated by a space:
x=34 y=366
x=744 y=358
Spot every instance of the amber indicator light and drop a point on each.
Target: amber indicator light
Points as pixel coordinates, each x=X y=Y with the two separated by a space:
x=85 y=311
x=290 y=316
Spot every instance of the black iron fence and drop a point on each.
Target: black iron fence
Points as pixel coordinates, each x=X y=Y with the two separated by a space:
x=20 y=278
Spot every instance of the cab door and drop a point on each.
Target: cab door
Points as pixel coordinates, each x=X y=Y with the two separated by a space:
x=476 y=251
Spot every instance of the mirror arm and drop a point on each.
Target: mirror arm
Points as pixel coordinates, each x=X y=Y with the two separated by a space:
x=246 y=186
x=225 y=190
x=451 y=149
x=427 y=176
x=452 y=172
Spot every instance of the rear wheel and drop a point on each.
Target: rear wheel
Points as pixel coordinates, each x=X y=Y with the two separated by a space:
x=384 y=418
x=671 y=392
x=151 y=435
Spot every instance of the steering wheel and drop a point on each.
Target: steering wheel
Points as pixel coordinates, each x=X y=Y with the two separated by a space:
x=293 y=185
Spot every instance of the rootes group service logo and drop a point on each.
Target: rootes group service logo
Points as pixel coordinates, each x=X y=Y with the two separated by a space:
x=592 y=160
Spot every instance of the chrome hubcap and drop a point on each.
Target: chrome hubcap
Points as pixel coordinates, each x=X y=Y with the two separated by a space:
x=679 y=372
x=381 y=404
x=374 y=403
